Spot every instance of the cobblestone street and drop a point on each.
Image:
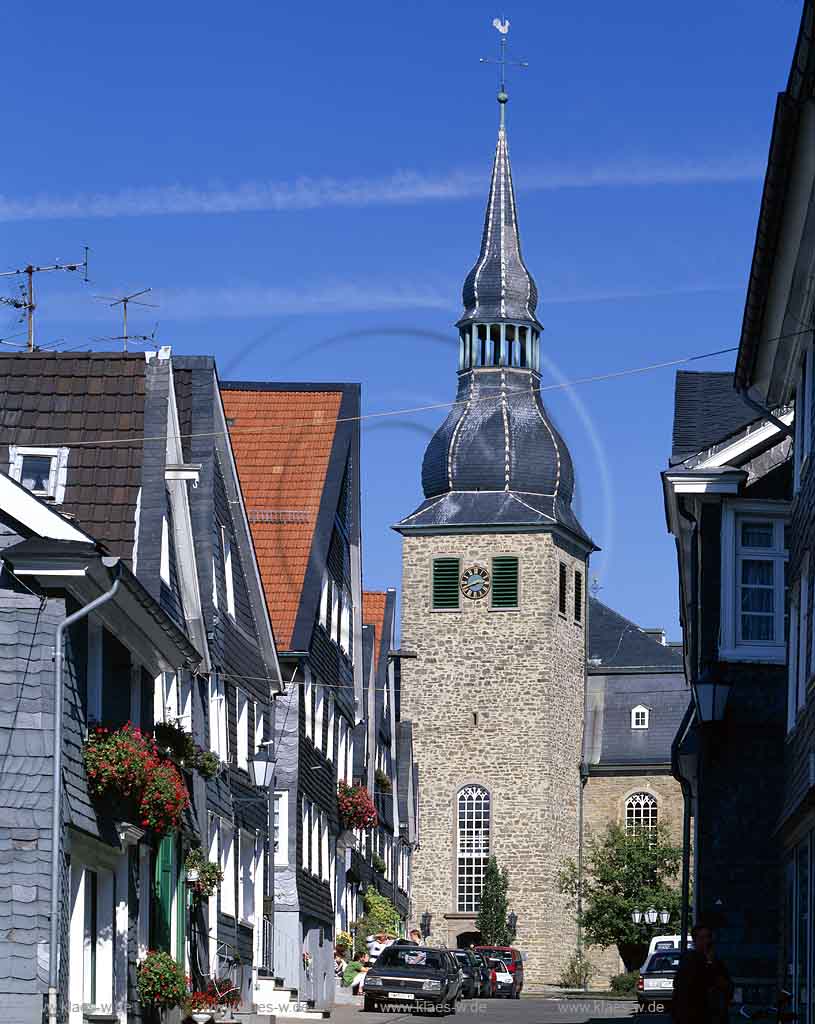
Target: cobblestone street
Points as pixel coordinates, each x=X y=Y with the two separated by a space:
x=529 y=1010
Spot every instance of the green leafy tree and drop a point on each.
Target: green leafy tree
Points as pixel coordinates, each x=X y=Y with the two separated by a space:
x=492 y=912
x=624 y=872
x=380 y=916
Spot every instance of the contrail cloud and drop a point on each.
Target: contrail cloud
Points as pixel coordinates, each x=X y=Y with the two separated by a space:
x=400 y=188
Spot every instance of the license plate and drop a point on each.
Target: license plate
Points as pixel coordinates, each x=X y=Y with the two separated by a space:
x=659 y=983
x=401 y=995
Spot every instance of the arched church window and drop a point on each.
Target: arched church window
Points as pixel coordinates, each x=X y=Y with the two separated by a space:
x=641 y=813
x=473 y=846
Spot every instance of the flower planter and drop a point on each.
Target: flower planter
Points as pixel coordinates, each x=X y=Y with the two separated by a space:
x=357 y=809
x=201 y=1017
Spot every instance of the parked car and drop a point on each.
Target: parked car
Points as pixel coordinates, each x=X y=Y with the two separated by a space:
x=656 y=981
x=661 y=943
x=504 y=982
x=470 y=966
x=487 y=990
x=414 y=976
x=514 y=961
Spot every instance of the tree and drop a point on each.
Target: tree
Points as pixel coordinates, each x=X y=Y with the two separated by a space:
x=492 y=913
x=380 y=916
x=624 y=872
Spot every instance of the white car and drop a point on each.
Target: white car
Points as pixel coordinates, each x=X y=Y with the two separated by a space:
x=505 y=983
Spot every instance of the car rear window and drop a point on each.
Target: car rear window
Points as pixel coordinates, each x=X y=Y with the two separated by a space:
x=409 y=956
x=663 y=963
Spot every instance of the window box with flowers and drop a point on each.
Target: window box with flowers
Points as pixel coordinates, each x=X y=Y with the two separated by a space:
x=357 y=809
x=124 y=766
x=161 y=981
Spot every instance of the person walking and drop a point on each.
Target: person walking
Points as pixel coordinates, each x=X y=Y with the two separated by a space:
x=702 y=986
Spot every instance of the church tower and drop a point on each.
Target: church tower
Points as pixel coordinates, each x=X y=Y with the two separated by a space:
x=494 y=607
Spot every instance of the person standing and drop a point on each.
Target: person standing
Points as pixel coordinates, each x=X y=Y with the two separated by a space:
x=702 y=986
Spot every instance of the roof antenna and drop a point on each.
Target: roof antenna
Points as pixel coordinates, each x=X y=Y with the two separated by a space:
x=502 y=25
x=124 y=301
x=25 y=301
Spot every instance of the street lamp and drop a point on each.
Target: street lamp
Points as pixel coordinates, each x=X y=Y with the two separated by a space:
x=651 y=915
x=664 y=916
x=261 y=769
x=636 y=916
x=710 y=693
x=424 y=924
x=512 y=923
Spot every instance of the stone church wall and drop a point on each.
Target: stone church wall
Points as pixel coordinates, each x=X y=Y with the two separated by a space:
x=603 y=804
x=497 y=699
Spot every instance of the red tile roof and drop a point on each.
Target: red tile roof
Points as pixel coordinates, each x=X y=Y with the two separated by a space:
x=282 y=469
x=373 y=614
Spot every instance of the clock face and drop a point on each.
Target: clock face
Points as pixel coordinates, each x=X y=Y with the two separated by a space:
x=475 y=582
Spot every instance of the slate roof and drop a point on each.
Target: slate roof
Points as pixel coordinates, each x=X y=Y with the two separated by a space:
x=707 y=409
x=282 y=437
x=617 y=642
x=499 y=287
x=626 y=668
x=55 y=400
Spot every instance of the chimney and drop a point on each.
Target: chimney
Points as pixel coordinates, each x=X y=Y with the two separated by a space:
x=656 y=634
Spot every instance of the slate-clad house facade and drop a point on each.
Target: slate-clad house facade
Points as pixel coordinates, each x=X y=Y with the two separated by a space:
x=95 y=440
x=775 y=370
x=297 y=450
x=636 y=698
x=727 y=499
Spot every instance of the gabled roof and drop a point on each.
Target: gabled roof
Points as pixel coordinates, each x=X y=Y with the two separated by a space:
x=617 y=642
x=707 y=410
x=52 y=399
x=290 y=456
x=378 y=610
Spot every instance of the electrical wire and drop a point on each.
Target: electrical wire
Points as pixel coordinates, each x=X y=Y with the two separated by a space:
x=565 y=385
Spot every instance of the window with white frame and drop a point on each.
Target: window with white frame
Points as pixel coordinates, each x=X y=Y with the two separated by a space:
x=329 y=736
x=43 y=471
x=342 y=747
x=754 y=559
x=165 y=697
x=305 y=849
x=246 y=878
x=335 y=612
x=95 y=669
x=164 y=559
x=315 y=840
x=214 y=585
x=641 y=813
x=260 y=728
x=324 y=602
x=325 y=868
x=281 y=827
x=640 y=717
x=242 y=729
x=218 y=741
x=473 y=846
x=345 y=623
x=803 y=416
x=229 y=576
x=227 y=865
x=349 y=760
x=801 y=641
x=308 y=704
x=802 y=662
x=318 y=717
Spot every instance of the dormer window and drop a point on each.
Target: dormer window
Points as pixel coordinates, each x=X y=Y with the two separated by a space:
x=41 y=470
x=640 y=717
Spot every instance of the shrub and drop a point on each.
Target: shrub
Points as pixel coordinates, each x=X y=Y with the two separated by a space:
x=344 y=941
x=210 y=875
x=625 y=984
x=382 y=781
x=378 y=863
x=577 y=972
x=161 y=980
x=163 y=799
x=357 y=809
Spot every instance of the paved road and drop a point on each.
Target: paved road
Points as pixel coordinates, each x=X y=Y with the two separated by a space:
x=528 y=1010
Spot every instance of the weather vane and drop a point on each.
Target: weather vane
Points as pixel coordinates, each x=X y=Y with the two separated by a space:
x=502 y=25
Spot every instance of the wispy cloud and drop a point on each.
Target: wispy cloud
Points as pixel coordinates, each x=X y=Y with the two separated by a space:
x=342 y=296
x=400 y=188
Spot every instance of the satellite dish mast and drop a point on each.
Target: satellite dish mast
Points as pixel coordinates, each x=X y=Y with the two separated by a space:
x=124 y=301
x=26 y=300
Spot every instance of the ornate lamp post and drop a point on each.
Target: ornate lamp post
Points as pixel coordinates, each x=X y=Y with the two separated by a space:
x=512 y=924
x=424 y=923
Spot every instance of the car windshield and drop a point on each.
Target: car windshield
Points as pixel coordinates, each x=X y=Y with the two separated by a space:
x=462 y=956
x=410 y=956
x=663 y=963
x=501 y=954
x=498 y=965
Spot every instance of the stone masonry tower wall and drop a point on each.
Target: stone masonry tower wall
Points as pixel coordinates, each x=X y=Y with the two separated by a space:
x=497 y=699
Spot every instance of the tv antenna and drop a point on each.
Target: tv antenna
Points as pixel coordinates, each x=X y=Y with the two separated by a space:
x=25 y=301
x=124 y=301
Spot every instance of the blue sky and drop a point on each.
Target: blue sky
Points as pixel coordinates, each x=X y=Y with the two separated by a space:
x=303 y=188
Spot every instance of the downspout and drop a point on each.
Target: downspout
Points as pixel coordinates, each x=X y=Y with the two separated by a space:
x=56 y=819
x=584 y=776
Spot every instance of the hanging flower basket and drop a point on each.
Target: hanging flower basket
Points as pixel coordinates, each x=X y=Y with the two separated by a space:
x=163 y=799
x=161 y=981
x=117 y=762
x=203 y=877
x=357 y=809
x=382 y=781
x=178 y=743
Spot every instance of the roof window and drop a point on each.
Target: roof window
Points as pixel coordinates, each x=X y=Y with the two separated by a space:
x=42 y=471
x=640 y=717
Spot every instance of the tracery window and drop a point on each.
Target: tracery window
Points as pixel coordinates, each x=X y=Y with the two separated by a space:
x=473 y=846
x=641 y=813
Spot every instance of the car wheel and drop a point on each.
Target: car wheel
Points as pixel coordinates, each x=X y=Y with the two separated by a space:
x=369 y=1004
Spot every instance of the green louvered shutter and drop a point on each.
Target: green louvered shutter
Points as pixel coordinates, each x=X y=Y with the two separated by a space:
x=505 y=582
x=445 y=582
x=163 y=903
